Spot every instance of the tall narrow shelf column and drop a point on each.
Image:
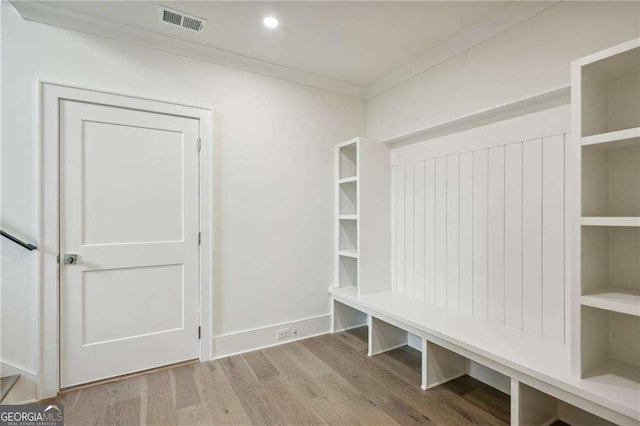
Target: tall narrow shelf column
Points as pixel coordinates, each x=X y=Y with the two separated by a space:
x=363 y=225
x=606 y=232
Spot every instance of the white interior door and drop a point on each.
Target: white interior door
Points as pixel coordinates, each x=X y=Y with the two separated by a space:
x=129 y=211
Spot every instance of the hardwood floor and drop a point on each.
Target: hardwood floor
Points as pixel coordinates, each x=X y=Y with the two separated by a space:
x=322 y=380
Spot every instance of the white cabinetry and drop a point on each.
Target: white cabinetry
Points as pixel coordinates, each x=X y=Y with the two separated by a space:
x=606 y=243
x=363 y=224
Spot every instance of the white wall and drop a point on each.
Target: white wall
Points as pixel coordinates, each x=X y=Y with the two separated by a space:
x=527 y=59
x=273 y=169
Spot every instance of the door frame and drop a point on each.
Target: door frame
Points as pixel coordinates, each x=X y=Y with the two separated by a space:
x=48 y=272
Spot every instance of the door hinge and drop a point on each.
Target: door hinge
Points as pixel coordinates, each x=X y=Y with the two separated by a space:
x=199 y=238
x=58 y=258
x=199 y=332
x=199 y=144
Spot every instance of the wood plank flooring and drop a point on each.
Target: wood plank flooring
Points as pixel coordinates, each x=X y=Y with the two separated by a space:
x=323 y=380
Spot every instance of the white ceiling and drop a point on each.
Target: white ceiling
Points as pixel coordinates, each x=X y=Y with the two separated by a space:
x=353 y=42
x=349 y=45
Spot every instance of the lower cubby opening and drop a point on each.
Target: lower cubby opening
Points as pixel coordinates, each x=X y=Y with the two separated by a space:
x=400 y=348
x=443 y=366
x=347 y=318
x=384 y=337
x=530 y=406
x=479 y=385
x=440 y=365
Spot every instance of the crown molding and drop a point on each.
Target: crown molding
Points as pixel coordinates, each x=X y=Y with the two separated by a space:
x=501 y=21
x=46 y=13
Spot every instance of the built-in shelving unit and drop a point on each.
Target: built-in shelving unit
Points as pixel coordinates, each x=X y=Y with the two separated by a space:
x=606 y=303
x=362 y=171
x=450 y=342
x=347 y=214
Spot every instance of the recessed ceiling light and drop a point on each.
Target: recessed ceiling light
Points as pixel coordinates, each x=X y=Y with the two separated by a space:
x=270 y=22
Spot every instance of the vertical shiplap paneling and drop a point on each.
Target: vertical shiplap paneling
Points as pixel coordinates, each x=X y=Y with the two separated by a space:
x=409 y=254
x=480 y=163
x=441 y=231
x=553 y=238
x=430 y=231
x=532 y=237
x=419 y=230
x=482 y=233
x=453 y=232
x=394 y=231
x=495 y=238
x=400 y=230
x=466 y=233
x=513 y=236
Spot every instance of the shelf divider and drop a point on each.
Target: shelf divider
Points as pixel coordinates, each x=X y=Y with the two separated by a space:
x=349 y=253
x=610 y=221
x=611 y=137
x=348 y=217
x=617 y=299
x=348 y=179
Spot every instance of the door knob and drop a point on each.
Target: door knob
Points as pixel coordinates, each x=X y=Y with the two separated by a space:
x=70 y=259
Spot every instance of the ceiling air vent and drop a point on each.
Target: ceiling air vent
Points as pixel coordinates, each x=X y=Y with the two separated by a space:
x=179 y=19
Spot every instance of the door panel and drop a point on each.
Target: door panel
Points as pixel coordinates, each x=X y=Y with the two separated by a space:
x=124 y=206
x=129 y=210
x=154 y=285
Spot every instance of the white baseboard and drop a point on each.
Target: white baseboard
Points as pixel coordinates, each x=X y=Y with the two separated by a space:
x=24 y=391
x=263 y=337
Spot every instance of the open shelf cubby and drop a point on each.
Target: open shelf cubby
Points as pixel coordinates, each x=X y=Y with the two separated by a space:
x=610 y=346
x=348 y=161
x=611 y=269
x=348 y=198
x=611 y=179
x=348 y=235
x=611 y=94
x=347 y=271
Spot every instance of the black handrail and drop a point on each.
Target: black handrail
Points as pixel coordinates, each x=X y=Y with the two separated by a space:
x=28 y=246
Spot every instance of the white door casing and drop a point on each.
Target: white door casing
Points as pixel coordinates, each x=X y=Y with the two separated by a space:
x=129 y=209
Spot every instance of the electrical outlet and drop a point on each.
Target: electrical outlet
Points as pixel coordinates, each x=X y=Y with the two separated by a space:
x=283 y=333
